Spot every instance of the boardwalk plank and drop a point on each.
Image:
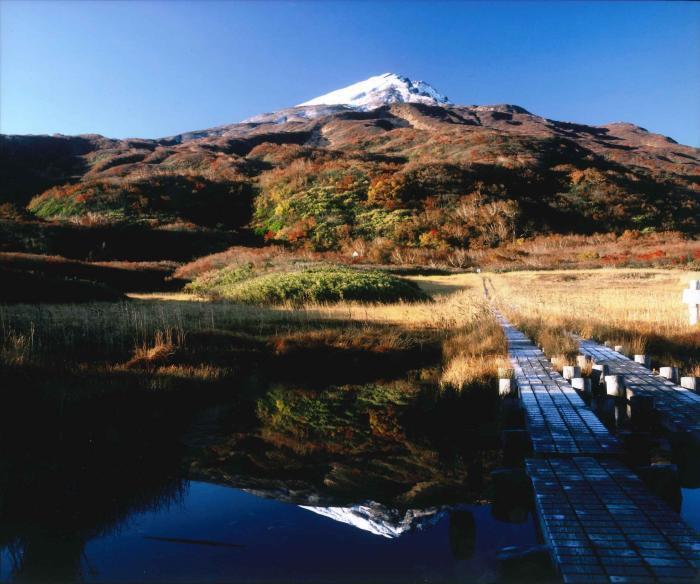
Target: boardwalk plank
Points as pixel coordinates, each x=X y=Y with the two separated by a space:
x=600 y=520
x=678 y=407
x=558 y=420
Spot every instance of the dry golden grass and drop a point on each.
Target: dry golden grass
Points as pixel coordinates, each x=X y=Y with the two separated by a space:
x=145 y=332
x=475 y=354
x=615 y=296
x=464 y=371
x=166 y=341
x=167 y=296
x=156 y=354
x=640 y=309
x=365 y=338
x=447 y=311
x=457 y=299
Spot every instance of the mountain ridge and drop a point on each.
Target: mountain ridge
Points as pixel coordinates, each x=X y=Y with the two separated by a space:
x=412 y=173
x=381 y=95
x=371 y=94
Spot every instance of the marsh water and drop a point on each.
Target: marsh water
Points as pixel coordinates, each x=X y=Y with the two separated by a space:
x=264 y=540
x=379 y=482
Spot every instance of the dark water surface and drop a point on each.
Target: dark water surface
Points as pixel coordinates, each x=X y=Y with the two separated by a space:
x=381 y=482
x=690 y=507
x=282 y=542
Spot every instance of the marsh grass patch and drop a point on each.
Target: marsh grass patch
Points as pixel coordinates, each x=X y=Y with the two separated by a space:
x=311 y=285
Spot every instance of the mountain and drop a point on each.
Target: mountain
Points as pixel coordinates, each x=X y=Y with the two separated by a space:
x=387 y=161
x=379 y=91
x=370 y=94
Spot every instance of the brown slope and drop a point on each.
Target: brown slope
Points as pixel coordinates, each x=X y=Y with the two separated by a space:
x=558 y=173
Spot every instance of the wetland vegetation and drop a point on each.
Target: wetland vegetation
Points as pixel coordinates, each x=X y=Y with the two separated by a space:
x=382 y=416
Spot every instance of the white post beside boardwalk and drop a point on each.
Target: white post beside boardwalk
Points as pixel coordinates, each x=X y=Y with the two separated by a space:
x=691 y=382
x=505 y=386
x=615 y=385
x=691 y=297
x=670 y=373
x=643 y=360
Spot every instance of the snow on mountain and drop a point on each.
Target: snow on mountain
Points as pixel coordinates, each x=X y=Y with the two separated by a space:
x=381 y=90
x=296 y=114
x=378 y=519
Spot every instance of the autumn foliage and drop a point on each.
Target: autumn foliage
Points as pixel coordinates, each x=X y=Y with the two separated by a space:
x=397 y=184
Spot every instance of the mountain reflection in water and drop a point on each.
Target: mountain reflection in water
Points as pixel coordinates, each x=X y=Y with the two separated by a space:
x=281 y=542
x=379 y=520
x=274 y=484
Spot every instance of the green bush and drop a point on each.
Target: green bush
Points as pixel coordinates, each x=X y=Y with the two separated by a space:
x=324 y=284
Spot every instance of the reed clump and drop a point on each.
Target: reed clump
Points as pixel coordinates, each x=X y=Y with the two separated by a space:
x=160 y=351
x=17 y=346
x=632 y=344
x=474 y=355
x=555 y=341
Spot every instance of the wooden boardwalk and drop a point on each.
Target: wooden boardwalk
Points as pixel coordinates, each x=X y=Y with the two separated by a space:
x=678 y=408
x=600 y=521
x=558 y=420
x=603 y=525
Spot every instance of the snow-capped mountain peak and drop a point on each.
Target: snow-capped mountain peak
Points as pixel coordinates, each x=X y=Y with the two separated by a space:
x=381 y=90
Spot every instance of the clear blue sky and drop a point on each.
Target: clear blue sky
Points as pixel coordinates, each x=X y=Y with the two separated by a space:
x=152 y=69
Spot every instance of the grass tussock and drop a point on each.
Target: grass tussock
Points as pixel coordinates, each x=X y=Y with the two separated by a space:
x=555 y=341
x=474 y=355
x=311 y=285
x=465 y=371
x=632 y=343
x=159 y=352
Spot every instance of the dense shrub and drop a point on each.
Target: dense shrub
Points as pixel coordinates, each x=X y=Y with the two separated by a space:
x=164 y=199
x=321 y=284
x=319 y=209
